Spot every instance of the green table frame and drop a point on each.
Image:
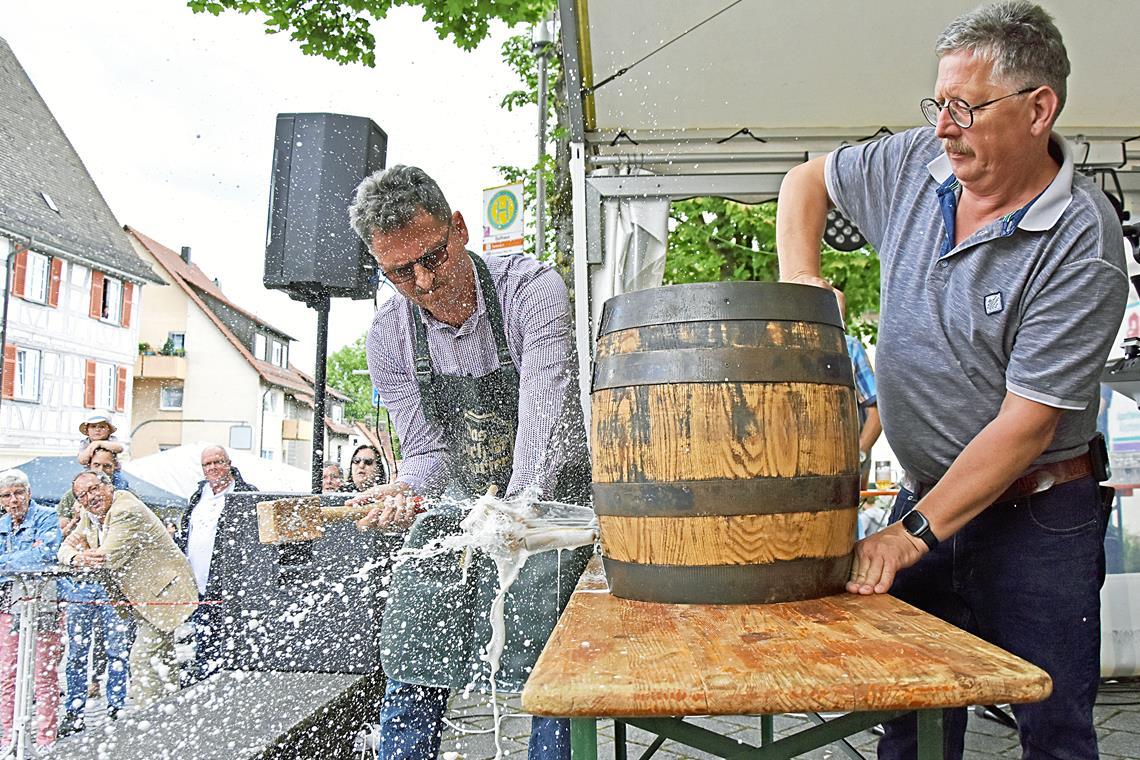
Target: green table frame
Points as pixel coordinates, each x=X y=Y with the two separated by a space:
x=584 y=736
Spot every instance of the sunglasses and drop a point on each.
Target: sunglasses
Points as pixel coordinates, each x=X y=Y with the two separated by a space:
x=430 y=261
x=362 y=460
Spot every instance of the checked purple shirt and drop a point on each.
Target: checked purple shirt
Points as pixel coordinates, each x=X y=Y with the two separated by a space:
x=539 y=332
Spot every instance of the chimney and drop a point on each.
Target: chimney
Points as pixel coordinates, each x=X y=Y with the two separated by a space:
x=186 y=253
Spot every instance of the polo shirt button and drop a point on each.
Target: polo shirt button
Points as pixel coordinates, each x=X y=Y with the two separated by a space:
x=942 y=264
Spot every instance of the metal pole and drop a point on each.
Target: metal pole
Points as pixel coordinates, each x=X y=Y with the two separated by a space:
x=320 y=302
x=8 y=280
x=540 y=44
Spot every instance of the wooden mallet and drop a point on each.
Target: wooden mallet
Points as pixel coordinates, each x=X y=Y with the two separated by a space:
x=301 y=518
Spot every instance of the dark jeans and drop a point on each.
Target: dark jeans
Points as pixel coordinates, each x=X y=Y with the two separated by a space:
x=208 y=641
x=1024 y=575
x=411 y=726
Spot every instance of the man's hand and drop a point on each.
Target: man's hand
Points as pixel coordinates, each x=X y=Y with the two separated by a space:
x=90 y=558
x=398 y=511
x=880 y=556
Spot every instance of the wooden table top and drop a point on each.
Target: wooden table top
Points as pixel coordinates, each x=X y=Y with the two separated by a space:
x=622 y=658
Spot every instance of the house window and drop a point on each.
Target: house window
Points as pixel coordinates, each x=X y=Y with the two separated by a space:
x=269 y=402
x=259 y=346
x=104 y=386
x=267 y=454
x=112 y=300
x=28 y=374
x=170 y=397
x=338 y=413
x=38 y=277
x=177 y=341
x=278 y=353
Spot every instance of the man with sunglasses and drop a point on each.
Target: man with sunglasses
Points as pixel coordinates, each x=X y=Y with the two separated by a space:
x=1003 y=285
x=475 y=358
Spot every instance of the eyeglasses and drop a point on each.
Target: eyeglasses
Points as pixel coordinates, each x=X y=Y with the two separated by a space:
x=84 y=494
x=961 y=112
x=363 y=461
x=429 y=261
x=17 y=493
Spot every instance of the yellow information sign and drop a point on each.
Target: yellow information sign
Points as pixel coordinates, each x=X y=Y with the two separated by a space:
x=503 y=219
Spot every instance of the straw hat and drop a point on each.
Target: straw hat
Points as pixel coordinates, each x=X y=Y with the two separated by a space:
x=94 y=419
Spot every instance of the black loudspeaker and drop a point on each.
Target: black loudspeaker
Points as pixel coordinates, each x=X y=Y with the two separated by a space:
x=310 y=248
x=304 y=607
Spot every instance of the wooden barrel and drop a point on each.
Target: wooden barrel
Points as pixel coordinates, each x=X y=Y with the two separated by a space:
x=725 y=444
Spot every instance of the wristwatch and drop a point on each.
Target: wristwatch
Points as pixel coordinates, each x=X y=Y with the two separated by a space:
x=863 y=456
x=916 y=524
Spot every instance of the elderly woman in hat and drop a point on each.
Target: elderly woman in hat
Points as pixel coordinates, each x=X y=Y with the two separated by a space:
x=98 y=432
x=29 y=538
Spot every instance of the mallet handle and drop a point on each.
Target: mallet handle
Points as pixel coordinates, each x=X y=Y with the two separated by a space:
x=344 y=514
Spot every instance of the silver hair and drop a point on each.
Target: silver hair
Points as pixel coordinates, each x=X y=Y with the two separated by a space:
x=102 y=476
x=390 y=198
x=1018 y=39
x=14 y=477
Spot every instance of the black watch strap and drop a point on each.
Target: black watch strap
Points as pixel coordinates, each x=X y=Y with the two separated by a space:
x=916 y=524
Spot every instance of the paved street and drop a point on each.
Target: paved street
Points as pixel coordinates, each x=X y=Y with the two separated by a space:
x=470 y=736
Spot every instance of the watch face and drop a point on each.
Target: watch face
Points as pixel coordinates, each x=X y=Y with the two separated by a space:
x=862 y=457
x=915 y=523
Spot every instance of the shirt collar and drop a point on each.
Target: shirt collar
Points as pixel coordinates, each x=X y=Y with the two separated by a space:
x=1048 y=207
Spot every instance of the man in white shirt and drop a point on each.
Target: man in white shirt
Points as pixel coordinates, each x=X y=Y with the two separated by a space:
x=196 y=537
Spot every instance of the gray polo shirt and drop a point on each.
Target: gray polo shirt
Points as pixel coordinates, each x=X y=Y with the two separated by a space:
x=1029 y=304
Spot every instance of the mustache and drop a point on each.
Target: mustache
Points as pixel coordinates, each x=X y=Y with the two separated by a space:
x=957 y=146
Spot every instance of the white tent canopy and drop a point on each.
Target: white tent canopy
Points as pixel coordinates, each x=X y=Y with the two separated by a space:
x=662 y=89
x=179 y=470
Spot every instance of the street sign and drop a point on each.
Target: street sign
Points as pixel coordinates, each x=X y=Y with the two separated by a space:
x=503 y=219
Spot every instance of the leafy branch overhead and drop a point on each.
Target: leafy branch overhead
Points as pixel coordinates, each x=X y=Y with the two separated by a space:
x=339 y=29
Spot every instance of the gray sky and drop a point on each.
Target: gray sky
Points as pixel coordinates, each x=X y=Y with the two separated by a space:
x=173 y=114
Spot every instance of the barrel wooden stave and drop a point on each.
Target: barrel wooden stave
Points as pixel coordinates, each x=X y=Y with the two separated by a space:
x=781 y=447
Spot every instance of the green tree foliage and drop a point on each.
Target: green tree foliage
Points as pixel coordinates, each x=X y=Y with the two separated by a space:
x=339 y=29
x=713 y=239
x=358 y=387
x=554 y=167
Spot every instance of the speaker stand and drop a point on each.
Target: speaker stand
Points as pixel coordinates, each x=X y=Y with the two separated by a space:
x=320 y=301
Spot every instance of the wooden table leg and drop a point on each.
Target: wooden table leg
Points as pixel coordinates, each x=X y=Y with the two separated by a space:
x=929 y=734
x=584 y=739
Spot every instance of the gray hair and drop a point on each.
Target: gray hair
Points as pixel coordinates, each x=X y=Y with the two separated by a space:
x=388 y=199
x=1018 y=39
x=102 y=476
x=14 y=477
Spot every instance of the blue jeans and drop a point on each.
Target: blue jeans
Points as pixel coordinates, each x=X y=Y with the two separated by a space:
x=1024 y=575
x=118 y=634
x=411 y=726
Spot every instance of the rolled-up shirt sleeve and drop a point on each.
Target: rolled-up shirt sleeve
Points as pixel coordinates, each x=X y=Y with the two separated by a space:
x=425 y=465
x=542 y=310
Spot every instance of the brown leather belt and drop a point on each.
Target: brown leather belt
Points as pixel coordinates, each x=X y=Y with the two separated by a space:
x=1045 y=476
x=1040 y=478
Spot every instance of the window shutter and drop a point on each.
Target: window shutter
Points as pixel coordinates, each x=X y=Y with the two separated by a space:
x=89 y=385
x=128 y=301
x=56 y=277
x=121 y=390
x=19 y=273
x=96 y=311
x=9 y=371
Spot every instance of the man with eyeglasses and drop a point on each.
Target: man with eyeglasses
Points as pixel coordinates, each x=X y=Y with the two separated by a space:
x=195 y=537
x=1003 y=285
x=138 y=563
x=475 y=357
x=29 y=538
